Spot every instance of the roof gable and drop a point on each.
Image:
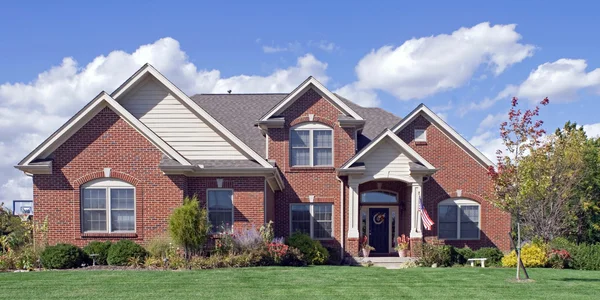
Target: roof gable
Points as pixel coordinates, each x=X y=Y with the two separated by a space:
x=80 y=119
x=309 y=83
x=394 y=139
x=423 y=110
x=149 y=70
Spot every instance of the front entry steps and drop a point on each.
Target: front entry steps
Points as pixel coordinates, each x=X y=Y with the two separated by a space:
x=388 y=262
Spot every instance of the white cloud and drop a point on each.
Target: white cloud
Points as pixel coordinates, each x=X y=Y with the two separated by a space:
x=492 y=121
x=488 y=143
x=592 y=130
x=275 y=49
x=506 y=94
x=29 y=112
x=366 y=98
x=422 y=67
x=560 y=81
x=324 y=45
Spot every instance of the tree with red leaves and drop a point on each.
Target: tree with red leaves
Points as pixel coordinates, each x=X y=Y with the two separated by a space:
x=520 y=135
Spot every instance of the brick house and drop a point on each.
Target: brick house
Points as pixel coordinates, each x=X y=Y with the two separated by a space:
x=309 y=161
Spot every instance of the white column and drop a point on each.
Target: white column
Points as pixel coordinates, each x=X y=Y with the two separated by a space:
x=415 y=218
x=353 y=217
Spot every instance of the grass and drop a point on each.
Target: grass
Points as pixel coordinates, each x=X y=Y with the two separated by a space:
x=324 y=282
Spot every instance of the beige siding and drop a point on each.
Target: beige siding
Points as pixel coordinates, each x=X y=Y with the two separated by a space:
x=164 y=114
x=386 y=160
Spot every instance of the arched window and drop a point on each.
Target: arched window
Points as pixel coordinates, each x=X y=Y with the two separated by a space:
x=311 y=144
x=107 y=205
x=378 y=197
x=459 y=219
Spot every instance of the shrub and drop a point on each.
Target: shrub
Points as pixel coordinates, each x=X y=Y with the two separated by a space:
x=533 y=256
x=463 y=254
x=559 y=259
x=293 y=258
x=586 y=257
x=160 y=246
x=189 y=226
x=442 y=255
x=120 y=253
x=63 y=256
x=313 y=251
x=247 y=239
x=100 y=248
x=494 y=255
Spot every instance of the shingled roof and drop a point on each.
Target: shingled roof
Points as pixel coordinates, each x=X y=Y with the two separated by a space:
x=239 y=113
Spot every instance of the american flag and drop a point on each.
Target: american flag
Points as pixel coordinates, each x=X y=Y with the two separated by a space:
x=427 y=222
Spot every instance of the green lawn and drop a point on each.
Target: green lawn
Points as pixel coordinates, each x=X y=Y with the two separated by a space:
x=301 y=283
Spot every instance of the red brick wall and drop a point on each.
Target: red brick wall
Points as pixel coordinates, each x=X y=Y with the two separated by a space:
x=248 y=197
x=106 y=141
x=302 y=182
x=457 y=171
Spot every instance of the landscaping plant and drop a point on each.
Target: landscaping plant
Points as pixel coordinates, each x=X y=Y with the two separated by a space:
x=189 y=226
x=122 y=252
x=313 y=251
x=99 y=248
x=63 y=256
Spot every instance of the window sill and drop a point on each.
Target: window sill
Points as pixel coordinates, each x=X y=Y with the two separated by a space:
x=109 y=235
x=312 y=169
x=421 y=143
x=473 y=239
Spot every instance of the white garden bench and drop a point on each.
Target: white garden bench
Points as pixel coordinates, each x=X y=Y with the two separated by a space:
x=474 y=260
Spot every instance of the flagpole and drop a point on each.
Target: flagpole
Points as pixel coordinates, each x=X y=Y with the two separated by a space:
x=420 y=218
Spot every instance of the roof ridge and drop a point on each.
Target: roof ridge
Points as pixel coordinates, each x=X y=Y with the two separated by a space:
x=227 y=94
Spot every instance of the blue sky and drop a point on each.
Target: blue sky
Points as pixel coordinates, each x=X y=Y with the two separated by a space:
x=54 y=57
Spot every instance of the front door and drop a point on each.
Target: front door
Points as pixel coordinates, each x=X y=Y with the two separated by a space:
x=379 y=229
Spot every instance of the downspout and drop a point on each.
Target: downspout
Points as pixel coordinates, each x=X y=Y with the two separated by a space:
x=342 y=202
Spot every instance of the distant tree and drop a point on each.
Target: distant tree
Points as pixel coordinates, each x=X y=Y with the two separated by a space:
x=549 y=177
x=585 y=205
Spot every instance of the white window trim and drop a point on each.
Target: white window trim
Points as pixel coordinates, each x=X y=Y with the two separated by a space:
x=420 y=137
x=312 y=216
x=311 y=127
x=379 y=190
x=460 y=202
x=108 y=184
x=232 y=206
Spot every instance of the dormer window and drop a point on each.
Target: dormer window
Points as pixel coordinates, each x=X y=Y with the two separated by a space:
x=311 y=145
x=420 y=135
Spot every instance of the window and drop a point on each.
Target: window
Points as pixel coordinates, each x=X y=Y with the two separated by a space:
x=420 y=135
x=458 y=219
x=311 y=145
x=378 y=197
x=220 y=209
x=108 y=205
x=315 y=220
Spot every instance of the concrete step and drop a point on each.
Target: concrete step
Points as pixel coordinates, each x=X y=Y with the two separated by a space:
x=386 y=262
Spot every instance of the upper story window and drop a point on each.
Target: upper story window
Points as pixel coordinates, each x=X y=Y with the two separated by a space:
x=311 y=145
x=378 y=197
x=107 y=205
x=420 y=135
x=458 y=219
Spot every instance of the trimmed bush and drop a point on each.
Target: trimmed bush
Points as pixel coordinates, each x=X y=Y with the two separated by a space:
x=293 y=258
x=463 y=254
x=63 y=256
x=533 y=256
x=494 y=255
x=442 y=255
x=313 y=251
x=586 y=257
x=100 y=248
x=120 y=253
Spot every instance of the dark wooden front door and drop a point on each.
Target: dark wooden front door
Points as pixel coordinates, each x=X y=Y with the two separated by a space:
x=379 y=229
